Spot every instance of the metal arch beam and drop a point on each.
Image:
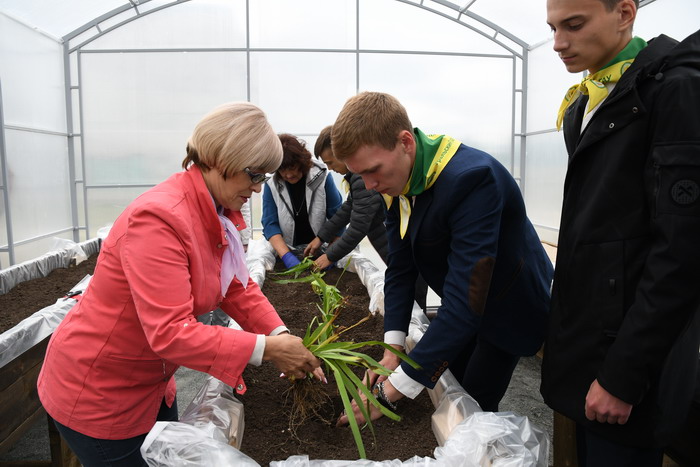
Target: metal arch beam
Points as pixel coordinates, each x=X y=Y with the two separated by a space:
x=132 y=5
x=460 y=11
x=496 y=29
x=465 y=11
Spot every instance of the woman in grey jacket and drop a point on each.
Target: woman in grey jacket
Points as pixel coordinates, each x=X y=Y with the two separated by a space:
x=363 y=212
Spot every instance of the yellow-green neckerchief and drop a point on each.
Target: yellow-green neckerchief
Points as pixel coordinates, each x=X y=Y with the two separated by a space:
x=345 y=184
x=594 y=84
x=433 y=152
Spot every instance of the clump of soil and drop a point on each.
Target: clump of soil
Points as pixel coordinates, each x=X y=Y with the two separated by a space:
x=31 y=296
x=267 y=435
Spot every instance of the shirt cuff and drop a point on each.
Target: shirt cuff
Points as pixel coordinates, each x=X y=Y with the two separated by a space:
x=258 y=350
x=395 y=338
x=405 y=384
x=279 y=330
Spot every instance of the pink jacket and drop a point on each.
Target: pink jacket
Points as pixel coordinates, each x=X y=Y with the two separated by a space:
x=112 y=359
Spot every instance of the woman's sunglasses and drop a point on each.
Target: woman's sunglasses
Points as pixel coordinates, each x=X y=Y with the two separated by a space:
x=256 y=177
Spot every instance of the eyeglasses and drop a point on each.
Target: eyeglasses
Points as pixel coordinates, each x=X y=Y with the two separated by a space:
x=256 y=177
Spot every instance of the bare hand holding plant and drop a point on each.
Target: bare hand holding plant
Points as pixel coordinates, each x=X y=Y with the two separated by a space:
x=312 y=247
x=322 y=338
x=322 y=262
x=289 y=354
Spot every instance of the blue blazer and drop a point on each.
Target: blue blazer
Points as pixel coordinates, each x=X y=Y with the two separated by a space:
x=470 y=238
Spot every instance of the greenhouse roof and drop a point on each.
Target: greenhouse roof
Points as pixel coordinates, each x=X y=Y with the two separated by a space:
x=522 y=22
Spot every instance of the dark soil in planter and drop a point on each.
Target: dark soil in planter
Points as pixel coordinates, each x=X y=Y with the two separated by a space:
x=267 y=434
x=26 y=298
x=414 y=430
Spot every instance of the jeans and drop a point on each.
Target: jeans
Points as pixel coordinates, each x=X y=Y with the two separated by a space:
x=95 y=452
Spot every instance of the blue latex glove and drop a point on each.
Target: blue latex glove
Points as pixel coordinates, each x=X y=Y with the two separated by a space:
x=290 y=260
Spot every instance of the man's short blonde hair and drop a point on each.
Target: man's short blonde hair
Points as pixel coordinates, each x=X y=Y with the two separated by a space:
x=368 y=119
x=233 y=137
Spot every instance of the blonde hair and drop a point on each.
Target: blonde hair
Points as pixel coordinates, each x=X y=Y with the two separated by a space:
x=368 y=119
x=233 y=137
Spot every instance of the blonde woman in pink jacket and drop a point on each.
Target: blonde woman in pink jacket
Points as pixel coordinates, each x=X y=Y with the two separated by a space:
x=171 y=256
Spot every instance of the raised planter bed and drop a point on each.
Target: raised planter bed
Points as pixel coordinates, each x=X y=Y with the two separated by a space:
x=463 y=434
x=23 y=344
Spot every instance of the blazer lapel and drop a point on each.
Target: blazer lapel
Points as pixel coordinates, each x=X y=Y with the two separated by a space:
x=418 y=212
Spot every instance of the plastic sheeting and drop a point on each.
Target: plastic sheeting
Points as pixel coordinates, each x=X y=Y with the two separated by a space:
x=262 y=258
x=171 y=444
x=467 y=436
x=64 y=254
x=35 y=328
x=217 y=412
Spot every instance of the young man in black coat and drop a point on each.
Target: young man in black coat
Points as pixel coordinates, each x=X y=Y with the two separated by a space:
x=622 y=348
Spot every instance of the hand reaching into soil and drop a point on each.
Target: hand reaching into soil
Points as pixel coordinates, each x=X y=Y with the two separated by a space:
x=392 y=395
x=288 y=354
x=312 y=248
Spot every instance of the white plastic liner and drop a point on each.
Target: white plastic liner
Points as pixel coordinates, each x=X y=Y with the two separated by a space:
x=466 y=435
x=179 y=444
x=217 y=412
x=262 y=258
x=35 y=328
x=64 y=253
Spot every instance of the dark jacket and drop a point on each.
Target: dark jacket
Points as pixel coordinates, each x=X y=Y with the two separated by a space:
x=470 y=239
x=364 y=211
x=626 y=295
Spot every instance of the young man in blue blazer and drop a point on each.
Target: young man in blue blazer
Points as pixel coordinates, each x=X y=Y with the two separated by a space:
x=457 y=217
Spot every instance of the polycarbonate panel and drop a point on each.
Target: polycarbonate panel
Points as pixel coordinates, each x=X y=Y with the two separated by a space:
x=303 y=24
x=301 y=92
x=58 y=18
x=105 y=205
x=139 y=109
x=31 y=67
x=545 y=169
x=219 y=24
x=36 y=248
x=548 y=82
x=392 y=25
x=524 y=19
x=460 y=102
x=38 y=183
x=675 y=18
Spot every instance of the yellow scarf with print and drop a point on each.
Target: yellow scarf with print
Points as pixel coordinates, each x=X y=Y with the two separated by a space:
x=594 y=84
x=433 y=152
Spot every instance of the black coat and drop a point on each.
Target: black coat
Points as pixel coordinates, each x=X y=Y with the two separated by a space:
x=363 y=212
x=626 y=292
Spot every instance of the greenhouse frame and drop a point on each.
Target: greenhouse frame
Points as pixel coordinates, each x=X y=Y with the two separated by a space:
x=98 y=98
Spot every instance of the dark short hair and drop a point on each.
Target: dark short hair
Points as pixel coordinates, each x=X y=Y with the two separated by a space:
x=294 y=154
x=323 y=141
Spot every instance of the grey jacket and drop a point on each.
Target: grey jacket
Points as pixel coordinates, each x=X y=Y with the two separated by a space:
x=364 y=211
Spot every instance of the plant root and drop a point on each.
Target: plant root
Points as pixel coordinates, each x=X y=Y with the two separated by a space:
x=307 y=399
